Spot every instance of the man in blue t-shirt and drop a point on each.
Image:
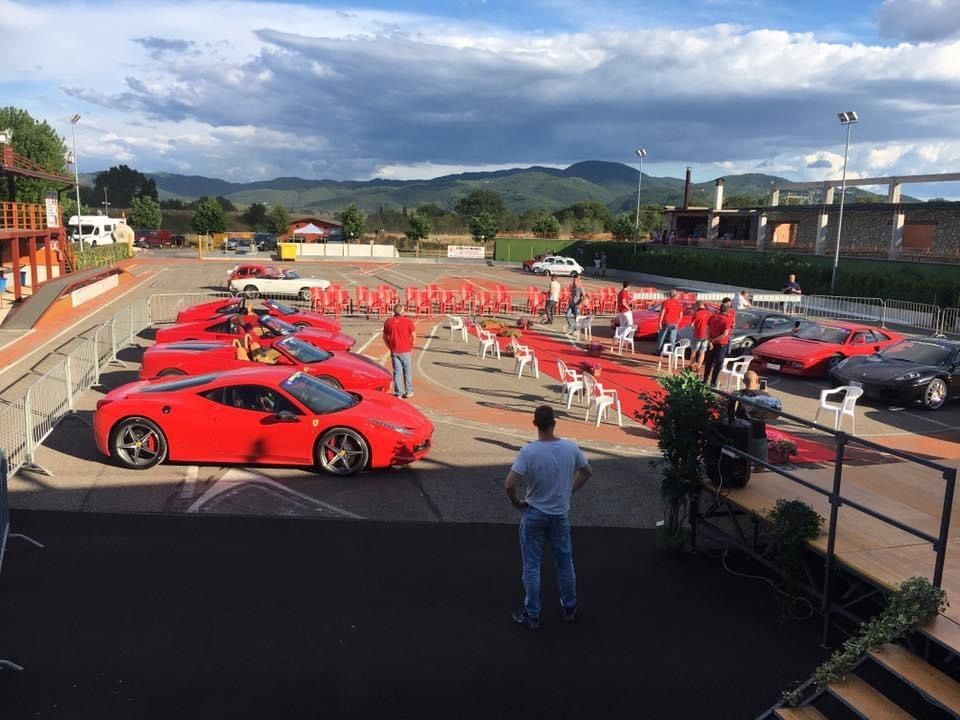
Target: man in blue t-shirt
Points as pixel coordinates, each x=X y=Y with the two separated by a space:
x=552 y=469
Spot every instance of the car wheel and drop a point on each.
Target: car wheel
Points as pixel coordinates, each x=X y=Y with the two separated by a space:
x=574 y=274
x=935 y=394
x=137 y=443
x=746 y=345
x=833 y=362
x=342 y=451
x=251 y=292
x=170 y=372
x=538 y=271
x=332 y=381
x=301 y=324
x=305 y=294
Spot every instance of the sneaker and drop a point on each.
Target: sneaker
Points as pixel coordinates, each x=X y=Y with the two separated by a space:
x=568 y=614
x=408 y=395
x=521 y=618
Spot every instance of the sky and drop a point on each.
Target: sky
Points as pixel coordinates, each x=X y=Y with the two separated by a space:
x=400 y=90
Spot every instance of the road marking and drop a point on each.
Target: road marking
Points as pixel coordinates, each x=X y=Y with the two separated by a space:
x=189 y=482
x=367 y=343
x=401 y=274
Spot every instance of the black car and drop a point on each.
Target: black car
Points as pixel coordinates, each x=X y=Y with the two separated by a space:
x=754 y=326
x=924 y=370
x=265 y=241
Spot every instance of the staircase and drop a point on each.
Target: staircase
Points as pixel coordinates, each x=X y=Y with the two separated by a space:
x=69 y=261
x=891 y=683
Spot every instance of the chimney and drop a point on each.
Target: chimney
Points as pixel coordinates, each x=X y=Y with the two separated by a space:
x=686 y=191
x=718 y=194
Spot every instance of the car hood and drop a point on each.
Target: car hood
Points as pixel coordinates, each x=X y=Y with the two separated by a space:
x=358 y=366
x=796 y=348
x=878 y=369
x=393 y=410
x=327 y=339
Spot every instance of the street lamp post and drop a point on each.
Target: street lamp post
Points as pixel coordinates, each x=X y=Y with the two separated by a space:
x=76 y=176
x=848 y=118
x=106 y=205
x=641 y=153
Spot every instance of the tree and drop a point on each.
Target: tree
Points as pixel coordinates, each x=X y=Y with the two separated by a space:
x=480 y=201
x=651 y=218
x=743 y=201
x=144 y=213
x=225 y=204
x=484 y=227
x=278 y=220
x=209 y=218
x=546 y=226
x=624 y=227
x=35 y=141
x=122 y=184
x=597 y=214
x=583 y=227
x=354 y=222
x=256 y=216
x=420 y=226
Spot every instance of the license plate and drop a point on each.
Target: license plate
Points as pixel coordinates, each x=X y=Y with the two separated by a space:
x=773 y=366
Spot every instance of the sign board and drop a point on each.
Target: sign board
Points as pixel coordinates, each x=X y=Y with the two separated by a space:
x=465 y=251
x=52 y=210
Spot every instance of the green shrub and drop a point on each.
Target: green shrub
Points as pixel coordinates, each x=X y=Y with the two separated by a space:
x=101 y=255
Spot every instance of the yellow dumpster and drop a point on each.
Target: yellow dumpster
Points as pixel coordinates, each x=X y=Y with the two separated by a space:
x=288 y=251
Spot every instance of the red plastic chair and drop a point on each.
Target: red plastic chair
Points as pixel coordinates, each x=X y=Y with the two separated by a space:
x=467 y=297
x=316 y=299
x=363 y=299
x=536 y=301
x=484 y=303
x=608 y=302
x=449 y=303
x=410 y=298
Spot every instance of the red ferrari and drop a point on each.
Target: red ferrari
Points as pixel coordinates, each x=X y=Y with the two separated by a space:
x=234 y=306
x=817 y=349
x=266 y=331
x=258 y=416
x=255 y=271
x=647 y=321
x=342 y=370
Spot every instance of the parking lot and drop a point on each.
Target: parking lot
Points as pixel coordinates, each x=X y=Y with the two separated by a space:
x=480 y=409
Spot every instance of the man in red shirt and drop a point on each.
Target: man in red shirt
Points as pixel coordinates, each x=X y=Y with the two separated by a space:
x=624 y=301
x=701 y=339
x=671 y=310
x=399 y=333
x=718 y=329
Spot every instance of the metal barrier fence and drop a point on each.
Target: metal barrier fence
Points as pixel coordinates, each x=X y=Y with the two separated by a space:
x=917 y=315
x=841 y=307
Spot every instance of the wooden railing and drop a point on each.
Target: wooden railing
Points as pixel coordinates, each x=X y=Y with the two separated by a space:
x=22 y=216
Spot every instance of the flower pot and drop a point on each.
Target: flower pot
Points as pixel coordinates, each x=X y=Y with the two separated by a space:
x=775 y=457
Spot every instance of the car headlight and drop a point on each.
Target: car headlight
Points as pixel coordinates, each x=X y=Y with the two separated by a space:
x=909 y=376
x=391 y=426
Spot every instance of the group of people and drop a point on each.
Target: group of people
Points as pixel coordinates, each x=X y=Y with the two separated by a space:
x=711 y=333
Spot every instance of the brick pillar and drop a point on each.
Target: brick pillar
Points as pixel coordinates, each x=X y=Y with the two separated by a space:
x=774 y=197
x=761 y=231
x=896 y=227
x=823 y=220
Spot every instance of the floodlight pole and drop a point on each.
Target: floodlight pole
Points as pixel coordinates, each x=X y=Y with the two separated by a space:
x=848 y=119
x=641 y=152
x=76 y=176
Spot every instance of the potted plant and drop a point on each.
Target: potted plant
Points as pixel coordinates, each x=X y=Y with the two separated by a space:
x=682 y=415
x=512 y=333
x=524 y=323
x=592 y=367
x=779 y=449
x=491 y=325
x=595 y=349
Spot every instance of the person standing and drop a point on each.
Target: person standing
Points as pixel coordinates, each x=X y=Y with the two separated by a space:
x=791 y=288
x=755 y=415
x=399 y=332
x=603 y=264
x=742 y=300
x=671 y=310
x=624 y=301
x=596 y=265
x=573 y=308
x=718 y=329
x=552 y=469
x=553 y=297
x=701 y=341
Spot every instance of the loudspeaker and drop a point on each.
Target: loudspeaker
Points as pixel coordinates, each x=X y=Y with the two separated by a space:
x=722 y=469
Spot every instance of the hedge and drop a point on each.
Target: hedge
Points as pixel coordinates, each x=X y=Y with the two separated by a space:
x=101 y=255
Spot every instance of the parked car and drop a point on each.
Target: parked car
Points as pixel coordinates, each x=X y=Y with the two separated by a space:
x=153 y=238
x=245 y=271
x=819 y=348
x=647 y=322
x=264 y=415
x=265 y=330
x=244 y=247
x=343 y=370
x=527 y=265
x=913 y=370
x=289 y=283
x=265 y=242
x=558 y=266
x=230 y=244
x=225 y=307
x=753 y=326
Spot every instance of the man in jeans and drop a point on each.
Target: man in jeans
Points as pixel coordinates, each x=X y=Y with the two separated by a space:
x=552 y=469
x=671 y=311
x=399 y=333
x=553 y=297
x=573 y=309
x=718 y=330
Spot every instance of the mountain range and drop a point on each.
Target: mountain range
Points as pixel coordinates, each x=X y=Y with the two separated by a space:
x=533 y=188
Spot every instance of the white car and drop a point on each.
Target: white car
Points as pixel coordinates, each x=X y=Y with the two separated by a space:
x=558 y=266
x=289 y=283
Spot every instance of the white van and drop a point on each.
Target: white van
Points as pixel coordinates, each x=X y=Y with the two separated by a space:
x=94 y=229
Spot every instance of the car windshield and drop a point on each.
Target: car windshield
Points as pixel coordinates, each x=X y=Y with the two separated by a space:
x=291 y=274
x=281 y=307
x=302 y=351
x=824 y=334
x=277 y=326
x=747 y=320
x=923 y=353
x=318 y=396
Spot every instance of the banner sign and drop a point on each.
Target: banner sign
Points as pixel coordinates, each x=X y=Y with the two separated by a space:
x=465 y=251
x=52 y=208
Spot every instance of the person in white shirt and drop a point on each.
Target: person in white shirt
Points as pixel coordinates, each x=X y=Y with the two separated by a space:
x=742 y=300
x=553 y=297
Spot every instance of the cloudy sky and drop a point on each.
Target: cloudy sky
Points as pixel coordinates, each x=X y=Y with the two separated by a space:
x=372 y=88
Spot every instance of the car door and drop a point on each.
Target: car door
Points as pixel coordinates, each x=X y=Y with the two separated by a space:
x=248 y=426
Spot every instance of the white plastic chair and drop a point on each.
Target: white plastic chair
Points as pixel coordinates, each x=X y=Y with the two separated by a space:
x=679 y=357
x=623 y=335
x=666 y=353
x=457 y=326
x=600 y=398
x=584 y=326
x=488 y=343
x=846 y=406
x=525 y=356
x=571 y=383
x=734 y=368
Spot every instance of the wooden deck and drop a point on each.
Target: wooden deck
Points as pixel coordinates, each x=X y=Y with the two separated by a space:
x=879 y=552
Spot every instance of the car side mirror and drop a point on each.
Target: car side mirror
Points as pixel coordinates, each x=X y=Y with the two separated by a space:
x=286 y=416
x=876 y=348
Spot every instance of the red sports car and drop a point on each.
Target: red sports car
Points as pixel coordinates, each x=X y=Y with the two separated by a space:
x=234 y=305
x=267 y=329
x=817 y=349
x=253 y=271
x=260 y=415
x=528 y=264
x=647 y=321
x=345 y=370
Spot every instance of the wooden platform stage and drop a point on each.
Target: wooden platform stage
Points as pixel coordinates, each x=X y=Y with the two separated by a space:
x=880 y=553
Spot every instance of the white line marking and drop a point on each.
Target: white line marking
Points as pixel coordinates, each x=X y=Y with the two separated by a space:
x=367 y=343
x=401 y=274
x=189 y=482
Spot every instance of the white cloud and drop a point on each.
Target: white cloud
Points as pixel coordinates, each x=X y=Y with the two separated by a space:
x=919 y=20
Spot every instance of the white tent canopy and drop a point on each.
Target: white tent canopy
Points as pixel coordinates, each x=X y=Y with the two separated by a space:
x=310 y=229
